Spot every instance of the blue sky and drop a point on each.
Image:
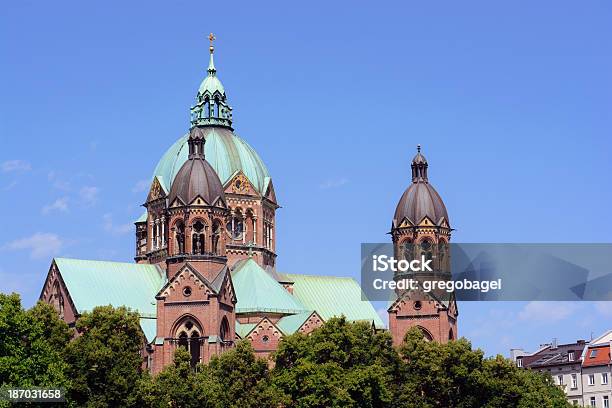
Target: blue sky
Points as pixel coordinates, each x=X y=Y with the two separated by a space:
x=512 y=103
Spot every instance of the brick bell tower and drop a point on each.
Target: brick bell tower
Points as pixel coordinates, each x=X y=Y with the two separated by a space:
x=195 y=309
x=421 y=227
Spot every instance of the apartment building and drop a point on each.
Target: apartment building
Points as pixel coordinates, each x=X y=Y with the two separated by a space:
x=562 y=361
x=597 y=373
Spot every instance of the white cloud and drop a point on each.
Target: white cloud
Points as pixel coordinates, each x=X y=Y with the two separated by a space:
x=333 y=183
x=89 y=195
x=547 y=312
x=57 y=182
x=116 y=229
x=61 y=204
x=40 y=245
x=141 y=186
x=15 y=166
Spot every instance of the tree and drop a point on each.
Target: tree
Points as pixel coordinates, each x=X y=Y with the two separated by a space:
x=340 y=364
x=454 y=375
x=240 y=379
x=104 y=360
x=32 y=345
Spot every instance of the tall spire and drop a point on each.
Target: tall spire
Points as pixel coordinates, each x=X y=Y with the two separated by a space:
x=211 y=65
x=211 y=107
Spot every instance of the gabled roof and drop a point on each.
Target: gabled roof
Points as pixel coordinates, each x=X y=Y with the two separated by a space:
x=257 y=291
x=290 y=324
x=243 y=329
x=596 y=356
x=97 y=283
x=333 y=296
x=552 y=356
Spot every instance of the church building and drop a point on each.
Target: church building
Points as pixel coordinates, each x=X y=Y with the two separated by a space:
x=205 y=270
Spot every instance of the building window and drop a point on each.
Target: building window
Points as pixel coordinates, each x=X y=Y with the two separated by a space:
x=574 y=381
x=224 y=330
x=180 y=238
x=519 y=362
x=570 y=356
x=265 y=339
x=188 y=336
x=426 y=249
x=593 y=404
x=560 y=380
x=593 y=353
x=591 y=379
x=197 y=239
x=604 y=378
x=606 y=401
x=235 y=227
x=215 y=238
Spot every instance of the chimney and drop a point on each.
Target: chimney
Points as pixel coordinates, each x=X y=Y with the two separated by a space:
x=554 y=344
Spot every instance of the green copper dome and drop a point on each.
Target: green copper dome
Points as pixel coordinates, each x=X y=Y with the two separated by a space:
x=227 y=154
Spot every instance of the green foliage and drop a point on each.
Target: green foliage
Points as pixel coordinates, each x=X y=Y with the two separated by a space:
x=341 y=364
x=32 y=344
x=104 y=360
x=454 y=375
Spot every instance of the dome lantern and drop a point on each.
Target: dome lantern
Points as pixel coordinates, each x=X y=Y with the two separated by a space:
x=420 y=198
x=419 y=167
x=211 y=107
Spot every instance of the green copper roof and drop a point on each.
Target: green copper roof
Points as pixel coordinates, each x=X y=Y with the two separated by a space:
x=334 y=296
x=149 y=328
x=242 y=329
x=98 y=283
x=290 y=324
x=257 y=291
x=143 y=217
x=211 y=83
x=227 y=154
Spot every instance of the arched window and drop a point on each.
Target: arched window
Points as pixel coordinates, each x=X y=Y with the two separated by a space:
x=235 y=227
x=197 y=238
x=188 y=336
x=427 y=249
x=407 y=250
x=180 y=238
x=443 y=256
x=426 y=334
x=206 y=110
x=216 y=114
x=216 y=232
x=451 y=335
x=224 y=330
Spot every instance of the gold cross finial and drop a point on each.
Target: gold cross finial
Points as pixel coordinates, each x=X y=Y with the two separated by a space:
x=211 y=38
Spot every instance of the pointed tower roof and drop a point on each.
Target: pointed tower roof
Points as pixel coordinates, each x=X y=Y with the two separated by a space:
x=420 y=198
x=196 y=178
x=211 y=107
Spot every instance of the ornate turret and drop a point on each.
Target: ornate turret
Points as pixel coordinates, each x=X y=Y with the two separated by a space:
x=211 y=107
x=421 y=228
